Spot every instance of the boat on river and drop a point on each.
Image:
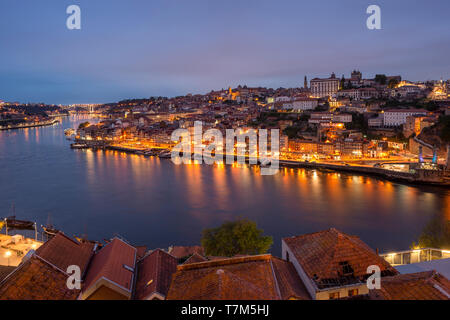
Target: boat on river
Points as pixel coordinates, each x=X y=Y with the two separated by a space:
x=165 y=155
x=79 y=146
x=11 y=223
x=50 y=231
x=69 y=132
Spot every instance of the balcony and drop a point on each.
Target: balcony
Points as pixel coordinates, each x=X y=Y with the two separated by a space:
x=415 y=256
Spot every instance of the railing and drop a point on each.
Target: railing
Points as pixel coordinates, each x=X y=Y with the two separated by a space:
x=415 y=256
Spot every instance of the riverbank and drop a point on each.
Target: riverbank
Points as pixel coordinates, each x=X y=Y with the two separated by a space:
x=417 y=176
x=148 y=200
x=30 y=125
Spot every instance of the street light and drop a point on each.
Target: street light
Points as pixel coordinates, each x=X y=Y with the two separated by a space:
x=7 y=255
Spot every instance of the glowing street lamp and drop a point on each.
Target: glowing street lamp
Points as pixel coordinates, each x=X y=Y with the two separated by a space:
x=8 y=255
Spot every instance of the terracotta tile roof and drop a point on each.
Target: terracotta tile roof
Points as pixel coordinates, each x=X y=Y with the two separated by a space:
x=141 y=251
x=111 y=263
x=36 y=280
x=155 y=274
x=289 y=282
x=183 y=251
x=5 y=271
x=245 y=278
x=62 y=251
x=332 y=258
x=195 y=258
x=428 y=285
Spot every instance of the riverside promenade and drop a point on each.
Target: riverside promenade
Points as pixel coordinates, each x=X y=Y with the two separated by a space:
x=30 y=125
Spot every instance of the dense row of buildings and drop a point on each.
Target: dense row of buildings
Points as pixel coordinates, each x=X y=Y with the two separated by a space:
x=319 y=266
x=16 y=115
x=332 y=118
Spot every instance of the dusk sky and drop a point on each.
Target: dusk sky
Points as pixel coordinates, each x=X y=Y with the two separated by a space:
x=143 y=48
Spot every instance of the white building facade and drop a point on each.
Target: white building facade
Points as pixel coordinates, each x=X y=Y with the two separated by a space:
x=396 y=118
x=321 y=88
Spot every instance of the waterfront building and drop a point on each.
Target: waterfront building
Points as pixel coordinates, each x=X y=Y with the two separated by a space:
x=310 y=147
x=368 y=93
x=329 y=117
x=318 y=117
x=397 y=117
x=303 y=146
x=375 y=122
x=301 y=104
x=406 y=91
x=353 y=94
x=338 y=102
x=354 y=148
x=415 y=124
x=284 y=143
x=282 y=99
x=343 y=117
x=321 y=88
x=358 y=93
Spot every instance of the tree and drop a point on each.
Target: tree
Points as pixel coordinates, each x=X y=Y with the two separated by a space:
x=342 y=83
x=235 y=237
x=83 y=125
x=444 y=124
x=436 y=234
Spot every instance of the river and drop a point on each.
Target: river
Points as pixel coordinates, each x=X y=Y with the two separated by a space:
x=153 y=202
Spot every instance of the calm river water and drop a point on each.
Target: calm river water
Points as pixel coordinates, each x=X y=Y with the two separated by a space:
x=151 y=201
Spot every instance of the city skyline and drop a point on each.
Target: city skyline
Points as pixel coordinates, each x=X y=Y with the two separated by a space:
x=169 y=49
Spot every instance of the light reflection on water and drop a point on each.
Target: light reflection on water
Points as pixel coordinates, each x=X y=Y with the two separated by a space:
x=156 y=203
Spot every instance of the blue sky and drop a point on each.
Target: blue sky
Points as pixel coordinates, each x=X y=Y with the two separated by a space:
x=143 y=48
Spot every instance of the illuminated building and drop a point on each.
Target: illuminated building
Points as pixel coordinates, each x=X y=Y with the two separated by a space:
x=321 y=88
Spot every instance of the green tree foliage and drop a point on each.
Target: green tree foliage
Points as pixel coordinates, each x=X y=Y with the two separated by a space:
x=292 y=132
x=444 y=123
x=342 y=83
x=358 y=123
x=84 y=125
x=235 y=237
x=436 y=234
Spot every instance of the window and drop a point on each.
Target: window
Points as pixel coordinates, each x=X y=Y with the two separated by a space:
x=334 y=295
x=346 y=268
x=353 y=292
x=287 y=256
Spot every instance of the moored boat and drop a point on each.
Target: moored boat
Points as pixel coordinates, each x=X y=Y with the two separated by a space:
x=69 y=132
x=50 y=230
x=79 y=146
x=13 y=224
x=165 y=155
